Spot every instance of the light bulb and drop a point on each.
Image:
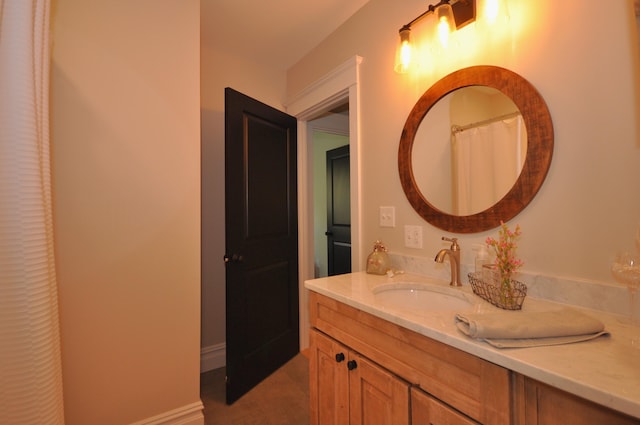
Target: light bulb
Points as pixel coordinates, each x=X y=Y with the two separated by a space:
x=404 y=53
x=444 y=23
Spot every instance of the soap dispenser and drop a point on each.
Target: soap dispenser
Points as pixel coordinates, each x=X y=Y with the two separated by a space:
x=378 y=261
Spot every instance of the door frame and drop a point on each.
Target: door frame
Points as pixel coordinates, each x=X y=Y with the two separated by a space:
x=335 y=88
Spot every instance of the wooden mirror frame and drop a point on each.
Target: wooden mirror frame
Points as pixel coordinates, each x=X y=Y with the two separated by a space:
x=539 y=127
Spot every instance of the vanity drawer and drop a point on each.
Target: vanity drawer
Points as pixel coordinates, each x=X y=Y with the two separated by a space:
x=475 y=387
x=427 y=410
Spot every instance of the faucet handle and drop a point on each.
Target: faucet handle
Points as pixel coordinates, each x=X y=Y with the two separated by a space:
x=454 y=243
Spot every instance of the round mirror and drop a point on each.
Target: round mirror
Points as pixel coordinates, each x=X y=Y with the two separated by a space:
x=475 y=149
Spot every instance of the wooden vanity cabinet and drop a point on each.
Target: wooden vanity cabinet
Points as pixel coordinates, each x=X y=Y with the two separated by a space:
x=545 y=405
x=403 y=377
x=447 y=385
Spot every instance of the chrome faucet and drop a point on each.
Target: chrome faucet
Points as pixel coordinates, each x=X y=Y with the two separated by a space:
x=454 y=259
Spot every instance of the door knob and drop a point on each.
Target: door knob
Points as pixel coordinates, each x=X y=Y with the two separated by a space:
x=351 y=364
x=235 y=258
x=340 y=357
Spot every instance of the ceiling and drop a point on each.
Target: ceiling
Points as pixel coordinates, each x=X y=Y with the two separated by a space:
x=277 y=33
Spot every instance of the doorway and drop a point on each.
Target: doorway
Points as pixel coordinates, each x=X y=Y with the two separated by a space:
x=338 y=211
x=338 y=87
x=328 y=132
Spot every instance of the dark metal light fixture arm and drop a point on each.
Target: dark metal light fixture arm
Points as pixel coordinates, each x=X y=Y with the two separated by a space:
x=464 y=12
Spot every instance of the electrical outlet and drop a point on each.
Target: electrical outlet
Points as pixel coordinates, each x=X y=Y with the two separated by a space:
x=413 y=237
x=387 y=216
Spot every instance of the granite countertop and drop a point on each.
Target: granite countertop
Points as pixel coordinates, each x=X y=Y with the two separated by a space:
x=605 y=370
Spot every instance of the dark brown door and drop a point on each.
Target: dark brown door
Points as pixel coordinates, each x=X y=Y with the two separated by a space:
x=261 y=241
x=338 y=211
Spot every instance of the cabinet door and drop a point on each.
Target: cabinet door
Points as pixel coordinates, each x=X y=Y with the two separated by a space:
x=545 y=405
x=376 y=397
x=328 y=381
x=426 y=410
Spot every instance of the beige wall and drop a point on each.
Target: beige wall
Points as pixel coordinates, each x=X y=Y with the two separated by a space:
x=222 y=67
x=580 y=59
x=125 y=139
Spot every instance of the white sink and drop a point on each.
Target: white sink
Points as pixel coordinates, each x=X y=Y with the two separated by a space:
x=421 y=298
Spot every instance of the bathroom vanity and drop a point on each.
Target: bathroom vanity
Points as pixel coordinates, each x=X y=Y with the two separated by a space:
x=373 y=362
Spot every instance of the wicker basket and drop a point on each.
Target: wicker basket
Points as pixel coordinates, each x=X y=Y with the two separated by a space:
x=509 y=300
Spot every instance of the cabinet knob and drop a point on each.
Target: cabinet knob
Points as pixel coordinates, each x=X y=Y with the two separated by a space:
x=339 y=357
x=351 y=364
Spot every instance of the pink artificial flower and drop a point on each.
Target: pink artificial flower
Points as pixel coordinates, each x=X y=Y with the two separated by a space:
x=505 y=249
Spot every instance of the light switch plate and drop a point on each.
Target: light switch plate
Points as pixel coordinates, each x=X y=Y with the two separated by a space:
x=387 y=216
x=413 y=237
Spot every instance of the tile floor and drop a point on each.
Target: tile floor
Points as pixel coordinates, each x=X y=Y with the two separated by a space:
x=281 y=399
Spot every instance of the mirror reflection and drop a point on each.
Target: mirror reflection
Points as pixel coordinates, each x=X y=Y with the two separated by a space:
x=469 y=150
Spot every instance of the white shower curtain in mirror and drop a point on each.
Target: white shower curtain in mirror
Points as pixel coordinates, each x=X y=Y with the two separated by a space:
x=30 y=365
x=486 y=161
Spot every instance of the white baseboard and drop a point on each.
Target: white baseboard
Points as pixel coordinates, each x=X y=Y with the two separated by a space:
x=191 y=414
x=213 y=357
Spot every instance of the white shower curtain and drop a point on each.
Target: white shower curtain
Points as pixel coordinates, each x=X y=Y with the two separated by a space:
x=30 y=365
x=485 y=163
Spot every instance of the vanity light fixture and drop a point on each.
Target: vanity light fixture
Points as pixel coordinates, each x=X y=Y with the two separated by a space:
x=450 y=15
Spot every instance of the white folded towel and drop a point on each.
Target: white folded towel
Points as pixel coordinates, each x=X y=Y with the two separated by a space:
x=512 y=329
